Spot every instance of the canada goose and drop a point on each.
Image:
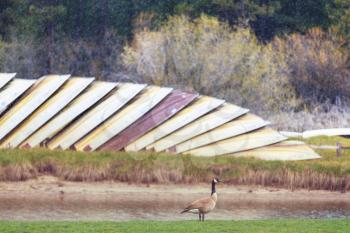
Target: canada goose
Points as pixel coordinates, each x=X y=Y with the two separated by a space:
x=204 y=205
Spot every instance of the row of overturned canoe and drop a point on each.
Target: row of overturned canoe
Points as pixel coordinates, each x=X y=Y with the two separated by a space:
x=63 y=112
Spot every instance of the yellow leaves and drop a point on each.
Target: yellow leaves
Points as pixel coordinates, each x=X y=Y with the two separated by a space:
x=208 y=56
x=323 y=57
x=207 y=23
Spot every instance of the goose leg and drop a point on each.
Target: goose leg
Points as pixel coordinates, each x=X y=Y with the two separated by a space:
x=203 y=217
x=200 y=217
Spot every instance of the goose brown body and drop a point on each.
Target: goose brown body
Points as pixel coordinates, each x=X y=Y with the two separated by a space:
x=204 y=205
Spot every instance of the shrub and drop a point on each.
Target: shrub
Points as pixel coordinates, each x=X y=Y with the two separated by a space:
x=30 y=57
x=318 y=66
x=323 y=116
x=206 y=55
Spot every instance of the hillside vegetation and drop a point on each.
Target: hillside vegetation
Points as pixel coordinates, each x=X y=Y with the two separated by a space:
x=328 y=173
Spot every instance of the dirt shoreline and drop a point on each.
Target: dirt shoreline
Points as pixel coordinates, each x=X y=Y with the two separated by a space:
x=48 y=198
x=51 y=187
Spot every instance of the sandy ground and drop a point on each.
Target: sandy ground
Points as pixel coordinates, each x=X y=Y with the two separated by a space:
x=49 y=187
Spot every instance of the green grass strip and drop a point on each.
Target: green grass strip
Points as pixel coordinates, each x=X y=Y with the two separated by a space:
x=271 y=226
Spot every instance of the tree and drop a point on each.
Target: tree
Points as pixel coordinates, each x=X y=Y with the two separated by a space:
x=339 y=13
x=318 y=66
x=5 y=17
x=48 y=24
x=299 y=16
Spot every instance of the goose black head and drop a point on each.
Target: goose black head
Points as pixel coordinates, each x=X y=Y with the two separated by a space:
x=216 y=180
x=213 y=183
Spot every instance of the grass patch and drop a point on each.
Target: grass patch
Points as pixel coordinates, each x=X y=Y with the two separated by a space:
x=328 y=173
x=325 y=141
x=278 y=226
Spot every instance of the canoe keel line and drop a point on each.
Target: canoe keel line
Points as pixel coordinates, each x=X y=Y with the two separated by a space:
x=64 y=112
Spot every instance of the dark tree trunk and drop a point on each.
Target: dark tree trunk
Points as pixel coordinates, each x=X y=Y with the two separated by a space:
x=49 y=46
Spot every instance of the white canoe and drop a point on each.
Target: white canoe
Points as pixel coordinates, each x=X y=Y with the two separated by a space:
x=13 y=91
x=291 y=134
x=5 y=78
x=37 y=95
x=71 y=89
x=327 y=132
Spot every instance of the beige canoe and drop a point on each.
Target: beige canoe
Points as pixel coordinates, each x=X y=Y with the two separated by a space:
x=206 y=123
x=200 y=107
x=113 y=126
x=92 y=95
x=287 y=150
x=96 y=116
x=241 y=125
x=259 y=138
x=71 y=89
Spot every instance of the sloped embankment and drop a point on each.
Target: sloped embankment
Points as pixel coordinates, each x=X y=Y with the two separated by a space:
x=328 y=173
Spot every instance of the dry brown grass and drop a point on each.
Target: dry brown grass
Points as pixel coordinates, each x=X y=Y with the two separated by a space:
x=17 y=172
x=328 y=173
x=295 y=180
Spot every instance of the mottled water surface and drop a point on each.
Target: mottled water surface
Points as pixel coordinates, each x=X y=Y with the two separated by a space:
x=150 y=206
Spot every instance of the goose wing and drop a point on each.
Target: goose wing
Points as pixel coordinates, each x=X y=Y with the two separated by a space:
x=199 y=204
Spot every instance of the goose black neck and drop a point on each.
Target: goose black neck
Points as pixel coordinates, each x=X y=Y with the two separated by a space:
x=213 y=190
